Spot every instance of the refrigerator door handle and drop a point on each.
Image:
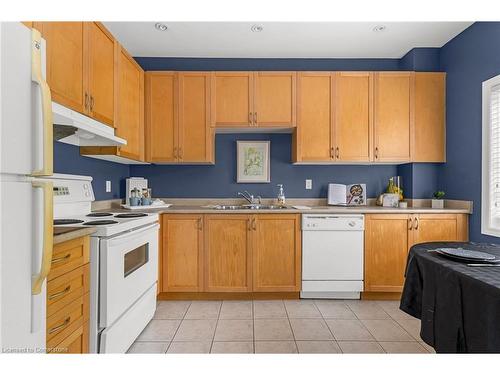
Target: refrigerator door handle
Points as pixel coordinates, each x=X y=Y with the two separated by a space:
x=39 y=278
x=37 y=76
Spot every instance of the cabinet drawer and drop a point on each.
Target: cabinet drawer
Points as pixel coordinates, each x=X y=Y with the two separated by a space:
x=64 y=322
x=68 y=256
x=76 y=343
x=66 y=288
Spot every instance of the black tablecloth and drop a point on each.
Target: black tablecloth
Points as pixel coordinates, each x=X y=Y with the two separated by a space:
x=458 y=305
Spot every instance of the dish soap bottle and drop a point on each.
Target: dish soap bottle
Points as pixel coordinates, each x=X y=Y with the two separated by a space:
x=281 y=195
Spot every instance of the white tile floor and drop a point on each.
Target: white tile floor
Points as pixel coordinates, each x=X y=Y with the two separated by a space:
x=290 y=326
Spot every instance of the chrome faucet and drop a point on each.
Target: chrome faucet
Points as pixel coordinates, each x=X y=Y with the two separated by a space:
x=250 y=198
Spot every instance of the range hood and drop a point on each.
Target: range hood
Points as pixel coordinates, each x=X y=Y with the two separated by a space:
x=76 y=129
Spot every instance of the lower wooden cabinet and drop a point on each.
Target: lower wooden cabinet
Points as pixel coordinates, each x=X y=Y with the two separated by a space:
x=228 y=253
x=231 y=253
x=276 y=253
x=68 y=289
x=388 y=238
x=182 y=253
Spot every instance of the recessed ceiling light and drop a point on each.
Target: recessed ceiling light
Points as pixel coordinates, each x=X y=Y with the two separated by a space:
x=161 y=26
x=379 y=28
x=256 y=28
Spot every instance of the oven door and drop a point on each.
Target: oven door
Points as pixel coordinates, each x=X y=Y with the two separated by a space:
x=129 y=267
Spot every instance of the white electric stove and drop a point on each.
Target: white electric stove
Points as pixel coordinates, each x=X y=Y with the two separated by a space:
x=123 y=263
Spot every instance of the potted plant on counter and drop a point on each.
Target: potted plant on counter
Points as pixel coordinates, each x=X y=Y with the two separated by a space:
x=438 y=201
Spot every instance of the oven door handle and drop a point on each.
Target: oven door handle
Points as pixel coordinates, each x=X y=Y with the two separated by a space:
x=133 y=233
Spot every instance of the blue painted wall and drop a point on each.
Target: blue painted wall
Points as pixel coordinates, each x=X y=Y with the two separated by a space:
x=421 y=60
x=178 y=63
x=219 y=180
x=469 y=59
x=67 y=159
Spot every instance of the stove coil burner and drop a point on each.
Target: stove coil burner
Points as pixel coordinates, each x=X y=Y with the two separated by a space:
x=99 y=214
x=101 y=222
x=67 y=221
x=131 y=215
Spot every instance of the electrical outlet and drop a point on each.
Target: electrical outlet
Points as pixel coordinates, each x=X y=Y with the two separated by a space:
x=309 y=184
x=108 y=186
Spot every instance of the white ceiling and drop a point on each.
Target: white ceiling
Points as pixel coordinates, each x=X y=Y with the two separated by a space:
x=282 y=39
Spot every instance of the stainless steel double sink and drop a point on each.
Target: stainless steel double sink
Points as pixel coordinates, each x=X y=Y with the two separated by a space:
x=249 y=207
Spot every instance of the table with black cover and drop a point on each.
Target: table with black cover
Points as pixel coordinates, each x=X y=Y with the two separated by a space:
x=458 y=305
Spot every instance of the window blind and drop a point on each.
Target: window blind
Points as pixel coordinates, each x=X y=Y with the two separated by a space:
x=494 y=106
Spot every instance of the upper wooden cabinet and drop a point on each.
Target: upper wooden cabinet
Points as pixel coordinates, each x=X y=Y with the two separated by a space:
x=67 y=63
x=247 y=99
x=388 y=238
x=232 y=99
x=274 y=99
x=276 y=253
x=313 y=138
x=81 y=67
x=161 y=116
x=178 y=118
x=353 y=130
x=130 y=106
x=429 y=143
x=101 y=72
x=196 y=140
x=393 y=116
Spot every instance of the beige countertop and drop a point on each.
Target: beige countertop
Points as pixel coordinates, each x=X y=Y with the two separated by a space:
x=317 y=206
x=63 y=234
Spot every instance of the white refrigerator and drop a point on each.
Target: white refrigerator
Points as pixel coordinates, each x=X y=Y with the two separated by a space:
x=25 y=201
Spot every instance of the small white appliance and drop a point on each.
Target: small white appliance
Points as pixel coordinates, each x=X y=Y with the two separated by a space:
x=26 y=200
x=133 y=183
x=123 y=264
x=332 y=256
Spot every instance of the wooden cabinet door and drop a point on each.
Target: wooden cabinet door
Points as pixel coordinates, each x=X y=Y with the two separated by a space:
x=439 y=227
x=387 y=238
x=393 y=116
x=276 y=253
x=430 y=117
x=313 y=137
x=101 y=72
x=182 y=253
x=66 y=64
x=196 y=140
x=353 y=131
x=161 y=117
x=274 y=99
x=228 y=261
x=130 y=106
x=232 y=99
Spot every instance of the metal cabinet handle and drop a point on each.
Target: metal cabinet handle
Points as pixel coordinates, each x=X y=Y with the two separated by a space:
x=48 y=222
x=376 y=152
x=91 y=103
x=249 y=225
x=48 y=132
x=200 y=223
x=61 y=259
x=61 y=293
x=255 y=118
x=331 y=153
x=410 y=223
x=416 y=223
x=86 y=101
x=60 y=326
x=337 y=152
x=250 y=120
x=254 y=224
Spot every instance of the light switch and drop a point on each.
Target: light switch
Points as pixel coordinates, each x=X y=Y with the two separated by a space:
x=309 y=184
x=108 y=186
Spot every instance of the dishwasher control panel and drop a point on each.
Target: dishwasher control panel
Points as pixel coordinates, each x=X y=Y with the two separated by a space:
x=331 y=222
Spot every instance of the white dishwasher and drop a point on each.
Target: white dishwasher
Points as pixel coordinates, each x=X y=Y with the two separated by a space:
x=332 y=256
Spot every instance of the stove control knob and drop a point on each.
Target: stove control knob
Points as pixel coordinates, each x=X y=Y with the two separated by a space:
x=87 y=194
x=86 y=186
x=352 y=223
